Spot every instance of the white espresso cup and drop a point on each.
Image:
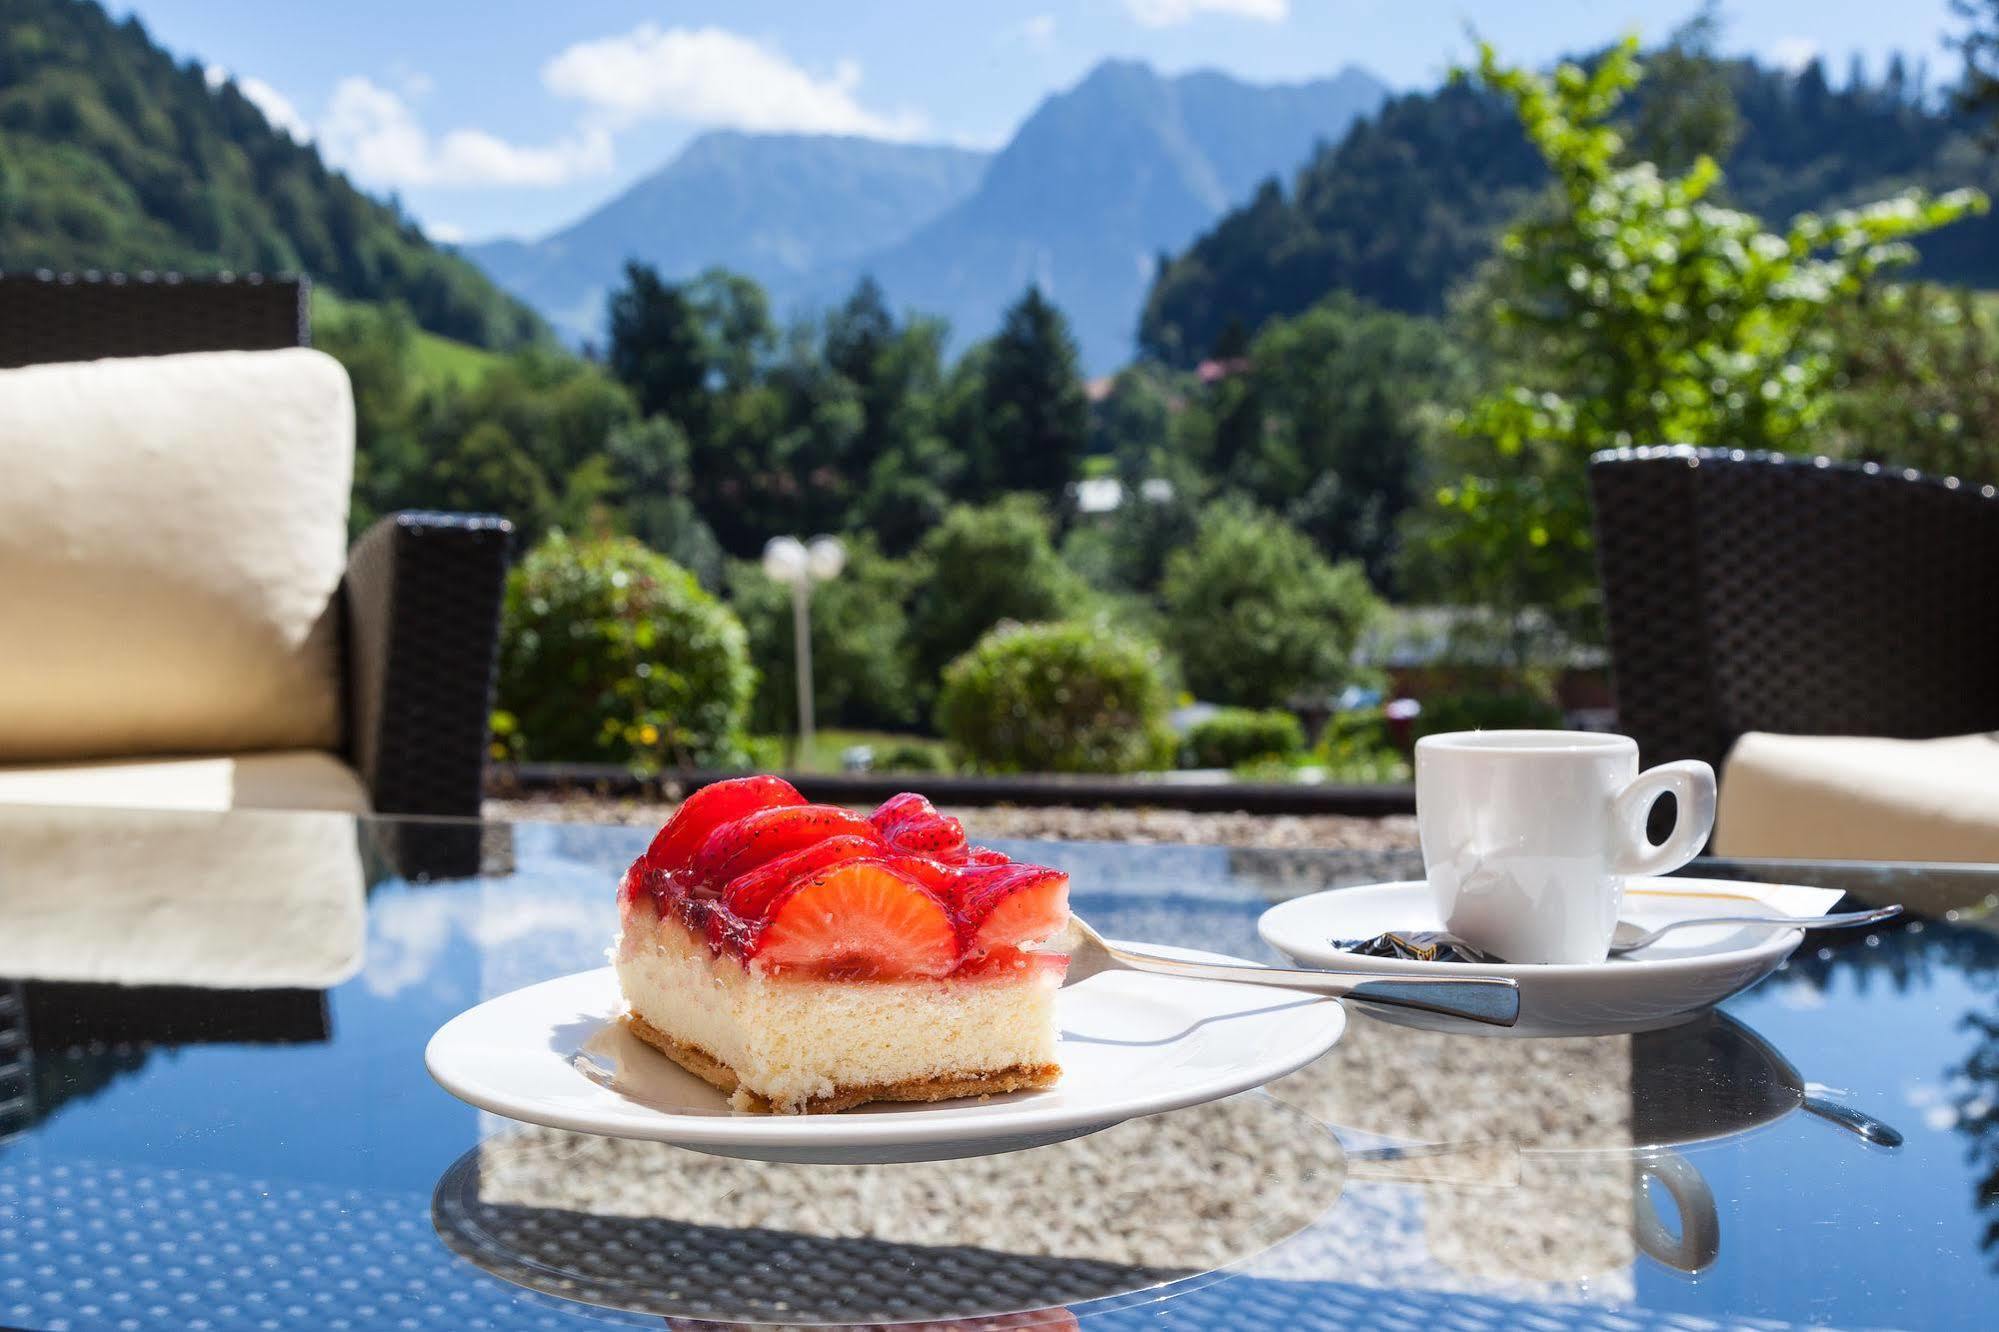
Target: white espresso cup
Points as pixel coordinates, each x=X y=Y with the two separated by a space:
x=1528 y=836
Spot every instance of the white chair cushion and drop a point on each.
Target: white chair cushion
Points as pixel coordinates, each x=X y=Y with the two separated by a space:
x=1829 y=797
x=294 y=779
x=142 y=897
x=172 y=535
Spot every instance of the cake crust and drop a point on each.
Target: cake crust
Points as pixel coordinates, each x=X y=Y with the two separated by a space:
x=1019 y=1077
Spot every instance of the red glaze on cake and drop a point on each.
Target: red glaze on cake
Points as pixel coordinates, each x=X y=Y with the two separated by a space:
x=753 y=908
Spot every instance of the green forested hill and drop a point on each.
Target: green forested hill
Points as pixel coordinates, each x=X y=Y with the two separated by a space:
x=1402 y=208
x=114 y=157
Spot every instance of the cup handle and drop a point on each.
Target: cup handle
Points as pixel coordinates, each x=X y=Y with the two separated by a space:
x=1700 y=1228
x=1692 y=785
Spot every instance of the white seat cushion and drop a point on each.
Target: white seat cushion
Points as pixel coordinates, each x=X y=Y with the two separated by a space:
x=290 y=779
x=1828 y=797
x=173 y=531
x=146 y=897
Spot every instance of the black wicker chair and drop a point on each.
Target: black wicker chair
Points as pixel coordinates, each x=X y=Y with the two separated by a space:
x=1755 y=592
x=421 y=598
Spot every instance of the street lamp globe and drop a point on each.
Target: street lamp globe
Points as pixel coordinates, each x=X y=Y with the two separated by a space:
x=796 y=565
x=786 y=561
x=825 y=557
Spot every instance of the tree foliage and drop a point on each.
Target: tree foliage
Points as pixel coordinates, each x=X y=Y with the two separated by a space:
x=861 y=672
x=527 y=438
x=1405 y=207
x=1630 y=309
x=1337 y=395
x=113 y=157
x=980 y=566
x=1035 y=421
x=1916 y=382
x=1978 y=43
x=1257 y=616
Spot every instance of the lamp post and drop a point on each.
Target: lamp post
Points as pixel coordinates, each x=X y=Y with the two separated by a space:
x=798 y=566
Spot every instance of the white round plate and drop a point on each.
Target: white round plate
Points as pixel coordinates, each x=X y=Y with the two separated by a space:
x=1683 y=974
x=1132 y=1044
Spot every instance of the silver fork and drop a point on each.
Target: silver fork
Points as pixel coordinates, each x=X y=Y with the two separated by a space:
x=1493 y=1000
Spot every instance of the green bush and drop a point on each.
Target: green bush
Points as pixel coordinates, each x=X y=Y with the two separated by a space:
x=1356 y=748
x=1073 y=697
x=910 y=758
x=1236 y=735
x=612 y=653
x=1486 y=712
x=981 y=566
x=1257 y=615
x=861 y=674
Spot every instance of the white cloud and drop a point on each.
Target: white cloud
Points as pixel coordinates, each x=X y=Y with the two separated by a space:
x=1170 y=13
x=1792 y=53
x=714 y=77
x=372 y=132
x=277 y=108
x=446 y=233
x=1039 y=30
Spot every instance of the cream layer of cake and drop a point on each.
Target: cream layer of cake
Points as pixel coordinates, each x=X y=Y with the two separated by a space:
x=792 y=1043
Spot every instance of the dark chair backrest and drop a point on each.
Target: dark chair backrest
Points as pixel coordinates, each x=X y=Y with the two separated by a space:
x=1755 y=592
x=48 y=317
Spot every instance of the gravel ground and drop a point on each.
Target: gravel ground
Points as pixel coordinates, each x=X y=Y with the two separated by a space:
x=1338 y=832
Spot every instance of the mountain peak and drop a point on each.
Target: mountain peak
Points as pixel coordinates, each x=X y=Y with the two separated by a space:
x=772 y=206
x=1095 y=182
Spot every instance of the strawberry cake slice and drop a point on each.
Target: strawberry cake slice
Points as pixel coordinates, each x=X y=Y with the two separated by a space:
x=807 y=959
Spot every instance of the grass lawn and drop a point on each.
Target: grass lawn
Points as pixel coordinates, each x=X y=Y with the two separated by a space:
x=827 y=747
x=435 y=361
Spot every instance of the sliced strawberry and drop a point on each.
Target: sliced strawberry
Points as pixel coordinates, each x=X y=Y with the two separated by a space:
x=985 y=855
x=1001 y=905
x=909 y=822
x=859 y=921
x=897 y=808
x=736 y=848
x=641 y=882
x=1009 y=963
x=938 y=877
x=750 y=896
x=672 y=851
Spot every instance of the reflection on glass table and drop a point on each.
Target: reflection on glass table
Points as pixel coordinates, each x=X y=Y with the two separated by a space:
x=649 y=1227
x=211 y=1070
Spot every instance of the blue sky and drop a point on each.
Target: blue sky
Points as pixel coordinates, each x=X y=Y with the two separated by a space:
x=511 y=117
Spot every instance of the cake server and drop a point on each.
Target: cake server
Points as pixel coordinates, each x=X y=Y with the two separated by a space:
x=1492 y=1000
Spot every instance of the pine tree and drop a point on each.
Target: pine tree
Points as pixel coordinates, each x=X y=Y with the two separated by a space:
x=657 y=349
x=860 y=336
x=1979 y=45
x=1036 y=414
x=858 y=331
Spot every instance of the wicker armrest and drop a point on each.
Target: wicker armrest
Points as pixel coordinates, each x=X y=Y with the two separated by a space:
x=1755 y=592
x=423 y=627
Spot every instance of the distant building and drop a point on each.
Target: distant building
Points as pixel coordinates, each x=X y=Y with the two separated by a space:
x=1099 y=494
x=1105 y=494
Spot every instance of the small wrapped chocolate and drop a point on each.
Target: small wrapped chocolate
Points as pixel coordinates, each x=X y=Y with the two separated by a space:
x=1414 y=946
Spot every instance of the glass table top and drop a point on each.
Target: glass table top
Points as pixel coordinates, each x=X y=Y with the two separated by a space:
x=214 y=1114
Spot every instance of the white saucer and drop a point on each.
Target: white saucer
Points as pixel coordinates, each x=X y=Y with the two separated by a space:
x=1668 y=982
x=1132 y=1044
